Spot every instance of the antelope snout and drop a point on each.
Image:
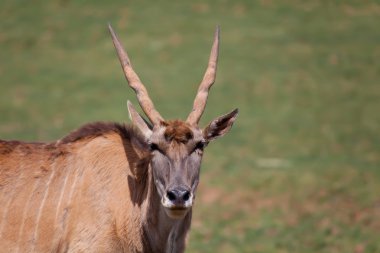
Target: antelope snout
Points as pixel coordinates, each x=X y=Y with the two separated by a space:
x=178 y=197
x=177 y=202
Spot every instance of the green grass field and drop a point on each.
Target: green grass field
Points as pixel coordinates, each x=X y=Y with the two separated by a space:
x=300 y=170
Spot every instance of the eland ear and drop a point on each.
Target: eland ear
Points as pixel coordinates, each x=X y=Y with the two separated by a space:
x=139 y=121
x=220 y=126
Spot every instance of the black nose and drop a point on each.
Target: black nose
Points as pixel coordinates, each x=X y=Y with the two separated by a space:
x=178 y=196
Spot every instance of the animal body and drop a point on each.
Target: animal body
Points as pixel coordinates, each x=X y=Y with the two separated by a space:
x=109 y=187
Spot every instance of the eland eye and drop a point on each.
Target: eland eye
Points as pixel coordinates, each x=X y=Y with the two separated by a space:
x=200 y=145
x=153 y=147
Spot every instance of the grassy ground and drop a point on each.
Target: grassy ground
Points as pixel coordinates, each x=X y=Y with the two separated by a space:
x=300 y=171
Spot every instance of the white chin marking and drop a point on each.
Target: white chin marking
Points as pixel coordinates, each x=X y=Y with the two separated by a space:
x=176 y=213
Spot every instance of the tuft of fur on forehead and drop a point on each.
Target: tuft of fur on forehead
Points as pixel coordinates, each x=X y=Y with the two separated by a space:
x=178 y=131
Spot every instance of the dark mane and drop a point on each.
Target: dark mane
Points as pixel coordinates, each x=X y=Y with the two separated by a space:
x=92 y=130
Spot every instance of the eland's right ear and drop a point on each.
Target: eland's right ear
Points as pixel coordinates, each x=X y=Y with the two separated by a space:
x=220 y=126
x=138 y=121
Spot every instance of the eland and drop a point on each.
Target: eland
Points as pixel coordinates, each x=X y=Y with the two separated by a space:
x=109 y=187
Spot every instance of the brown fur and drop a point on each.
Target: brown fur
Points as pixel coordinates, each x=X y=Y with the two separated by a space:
x=178 y=131
x=95 y=129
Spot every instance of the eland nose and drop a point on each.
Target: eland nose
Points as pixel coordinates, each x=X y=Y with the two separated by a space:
x=178 y=196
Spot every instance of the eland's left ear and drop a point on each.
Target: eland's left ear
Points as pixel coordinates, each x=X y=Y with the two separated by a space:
x=139 y=121
x=220 y=126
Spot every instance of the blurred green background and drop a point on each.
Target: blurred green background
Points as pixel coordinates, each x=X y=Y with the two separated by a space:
x=299 y=172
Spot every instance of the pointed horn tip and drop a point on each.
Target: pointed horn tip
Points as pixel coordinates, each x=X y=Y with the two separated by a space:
x=217 y=31
x=110 y=27
x=129 y=104
x=113 y=34
x=235 y=112
x=131 y=109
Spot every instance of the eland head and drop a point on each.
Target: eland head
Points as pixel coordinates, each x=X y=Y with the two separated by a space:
x=176 y=147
